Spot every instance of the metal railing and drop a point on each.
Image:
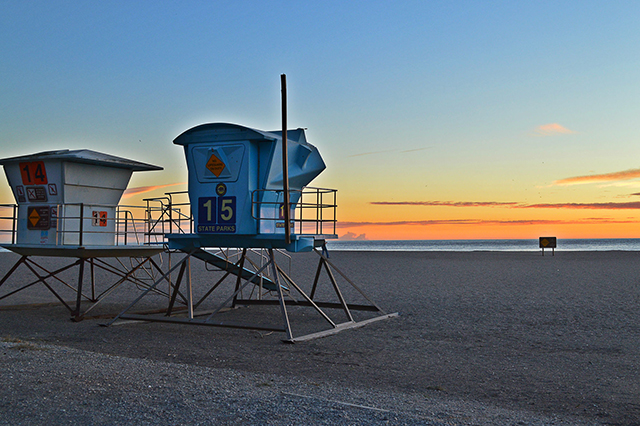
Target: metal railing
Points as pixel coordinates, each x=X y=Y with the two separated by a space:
x=314 y=209
x=79 y=223
x=168 y=215
x=8 y=223
x=132 y=224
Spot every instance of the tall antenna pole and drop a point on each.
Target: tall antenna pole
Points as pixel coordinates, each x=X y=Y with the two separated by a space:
x=285 y=161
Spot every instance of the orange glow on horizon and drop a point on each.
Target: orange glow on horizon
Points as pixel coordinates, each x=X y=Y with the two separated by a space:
x=465 y=221
x=471 y=232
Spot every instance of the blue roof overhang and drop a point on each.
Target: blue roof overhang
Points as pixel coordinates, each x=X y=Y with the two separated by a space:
x=223 y=132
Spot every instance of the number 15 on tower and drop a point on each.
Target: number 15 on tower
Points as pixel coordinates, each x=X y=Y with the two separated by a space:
x=216 y=212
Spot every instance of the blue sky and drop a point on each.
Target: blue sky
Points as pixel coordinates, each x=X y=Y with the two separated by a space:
x=405 y=100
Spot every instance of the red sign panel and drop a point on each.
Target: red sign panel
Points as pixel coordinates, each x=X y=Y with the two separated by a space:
x=99 y=218
x=33 y=173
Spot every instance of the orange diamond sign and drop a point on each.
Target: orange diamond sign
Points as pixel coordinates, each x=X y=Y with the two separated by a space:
x=215 y=165
x=34 y=217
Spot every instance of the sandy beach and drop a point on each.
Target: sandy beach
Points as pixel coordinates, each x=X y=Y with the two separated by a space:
x=483 y=338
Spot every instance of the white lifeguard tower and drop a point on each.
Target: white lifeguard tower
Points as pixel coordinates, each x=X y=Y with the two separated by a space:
x=67 y=207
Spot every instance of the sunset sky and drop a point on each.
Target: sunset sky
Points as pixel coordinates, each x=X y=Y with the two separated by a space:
x=437 y=120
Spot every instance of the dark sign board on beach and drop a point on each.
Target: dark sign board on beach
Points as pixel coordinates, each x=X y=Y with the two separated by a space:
x=548 y=242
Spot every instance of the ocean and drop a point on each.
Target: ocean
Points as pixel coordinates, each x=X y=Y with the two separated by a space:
x=601 y=244
x=612 y=244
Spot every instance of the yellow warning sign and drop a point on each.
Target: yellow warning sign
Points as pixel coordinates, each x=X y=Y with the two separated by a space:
x=39 y=217
x=34 y=217
x=548 y=242
x=215 y=165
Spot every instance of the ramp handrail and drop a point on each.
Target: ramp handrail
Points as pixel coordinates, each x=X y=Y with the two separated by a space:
x=166 y=216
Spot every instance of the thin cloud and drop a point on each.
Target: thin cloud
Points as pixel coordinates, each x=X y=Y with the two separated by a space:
x=130 y=192
x=632 y=205
x=445 y=203
x=414 y=150
x=411 y=222
x=389 y=150
x=605 y=177
x=592 y=206
x=552 y=129
x=479 y=222
x=451 y=222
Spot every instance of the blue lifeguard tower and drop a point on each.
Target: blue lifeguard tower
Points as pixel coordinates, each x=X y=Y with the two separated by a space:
x=236 y=189
x=248 y=190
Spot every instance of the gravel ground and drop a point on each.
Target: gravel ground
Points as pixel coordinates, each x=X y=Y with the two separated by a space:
x=482 y=339
x=46 y=384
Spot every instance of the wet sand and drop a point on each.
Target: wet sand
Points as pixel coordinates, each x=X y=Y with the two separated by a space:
x=482 y=338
